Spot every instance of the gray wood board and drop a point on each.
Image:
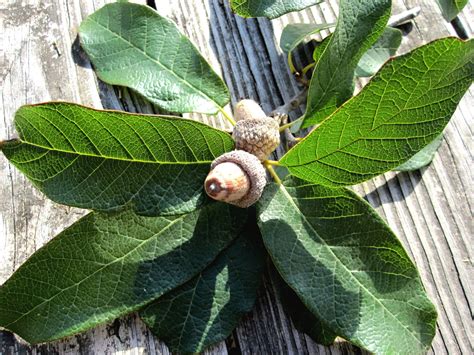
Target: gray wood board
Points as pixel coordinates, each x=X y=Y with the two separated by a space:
x=430 y=210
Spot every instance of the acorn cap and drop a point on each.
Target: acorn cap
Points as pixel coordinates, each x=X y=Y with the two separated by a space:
x=253 y=168
x=248 y=109
x=259 y=136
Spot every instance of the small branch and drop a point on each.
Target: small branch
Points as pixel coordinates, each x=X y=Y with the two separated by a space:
x=292 y=105
x=291 y=140
x=302 y=79
x=288 y=125
x=404 y=17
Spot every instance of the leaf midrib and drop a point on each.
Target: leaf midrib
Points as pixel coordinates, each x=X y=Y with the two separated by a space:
x=290 y=198
x=341 y=149
x=334 y=73
x=219 y=107
x=113 y=158
x=400 y=111
x=155 y=235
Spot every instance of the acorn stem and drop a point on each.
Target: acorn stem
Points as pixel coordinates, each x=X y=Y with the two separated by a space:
x=272 y=162
x=272 y=172
x=227 y=116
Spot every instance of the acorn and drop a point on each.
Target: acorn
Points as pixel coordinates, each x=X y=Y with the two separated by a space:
x=254 y=132
x=236 y=177
x=246 y=109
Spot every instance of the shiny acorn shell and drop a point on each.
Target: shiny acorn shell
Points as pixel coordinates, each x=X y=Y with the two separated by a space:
x=236 y=177
x=227 y=182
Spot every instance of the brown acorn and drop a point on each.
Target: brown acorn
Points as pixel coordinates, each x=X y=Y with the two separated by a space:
x=247 y=109
x=258 y=136
x=236 y=177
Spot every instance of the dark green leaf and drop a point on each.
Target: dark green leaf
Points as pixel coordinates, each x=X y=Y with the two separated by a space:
x=451 y=8
x=405 y=106
x=205 y=310
x=303 y=319
x=105 y=266
x=269 y=8
x=375 y=57
x=359 y=25
x=320 y=48
x=423 y=157
x=347 y=267
x=294 y=34
x=132 y=45
x=372 y=60
x=109 y=160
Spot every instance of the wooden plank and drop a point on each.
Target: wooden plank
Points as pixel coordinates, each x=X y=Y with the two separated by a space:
x=39 y=65
x=436 y=208
x=428 y=210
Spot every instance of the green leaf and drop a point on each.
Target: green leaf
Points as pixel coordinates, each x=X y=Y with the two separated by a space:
x=269 y=8
x=205 y=310
x=423 y=157
x=320 y=48
x=405 y=106
x=132 y=45
x=375 y=57
x=293 y=34
x=347 y=266
x=359 y=25
x=303 y=319
x=372 y=60
x=105 y=266
x=110 y=160
x=451 y=8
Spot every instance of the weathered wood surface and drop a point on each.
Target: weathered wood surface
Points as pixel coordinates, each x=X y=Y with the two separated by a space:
x=430 y=210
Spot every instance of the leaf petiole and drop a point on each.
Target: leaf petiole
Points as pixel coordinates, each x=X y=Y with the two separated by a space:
x=269 y=165
x=290 y=63
x=272 y=162
x=227 y=116
x=289 y=124
x=307 y=68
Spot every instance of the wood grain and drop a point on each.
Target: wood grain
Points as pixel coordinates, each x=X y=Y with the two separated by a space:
x=430 y=210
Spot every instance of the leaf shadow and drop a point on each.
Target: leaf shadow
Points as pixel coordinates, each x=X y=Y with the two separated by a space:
x=338 y=309
x=397 y=188
x=113 y=97
x=229 y=270
x=164 y=272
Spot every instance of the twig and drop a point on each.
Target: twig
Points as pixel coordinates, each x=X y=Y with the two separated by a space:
x=293 y=104
x=291 y=140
